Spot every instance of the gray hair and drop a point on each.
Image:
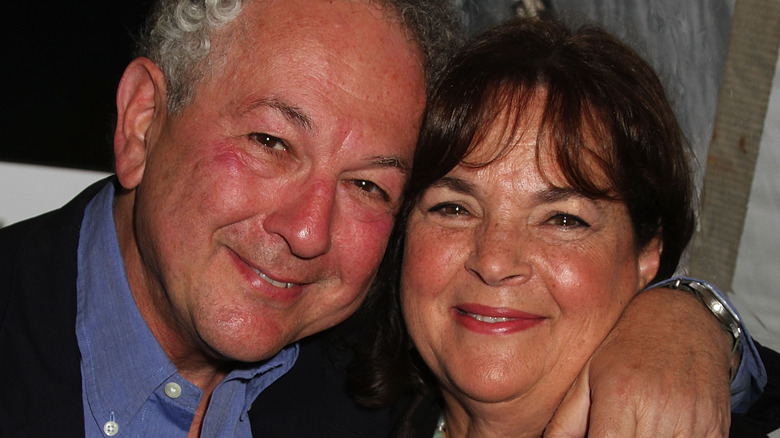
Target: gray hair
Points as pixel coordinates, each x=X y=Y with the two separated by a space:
x=178 y=37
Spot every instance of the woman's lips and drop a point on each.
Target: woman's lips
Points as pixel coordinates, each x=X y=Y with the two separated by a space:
x=494 y=320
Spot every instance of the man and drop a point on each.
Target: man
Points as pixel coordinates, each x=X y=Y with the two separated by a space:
x=256 y=185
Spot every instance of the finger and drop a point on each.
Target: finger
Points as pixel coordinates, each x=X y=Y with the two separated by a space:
x=699 y=418
x=612 y=414
x=571 y=418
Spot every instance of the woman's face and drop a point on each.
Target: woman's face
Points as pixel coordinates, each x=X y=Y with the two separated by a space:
x=511 y=279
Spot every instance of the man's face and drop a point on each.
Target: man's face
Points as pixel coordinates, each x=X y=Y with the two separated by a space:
x=266 y=204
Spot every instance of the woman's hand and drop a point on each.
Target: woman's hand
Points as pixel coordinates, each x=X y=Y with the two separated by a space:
x=662 y=372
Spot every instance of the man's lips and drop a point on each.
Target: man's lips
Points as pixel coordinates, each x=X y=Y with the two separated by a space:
x=257 y=277
x=270 y=280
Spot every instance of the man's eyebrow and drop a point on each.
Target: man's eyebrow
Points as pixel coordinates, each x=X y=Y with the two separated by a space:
x=391 y=161
x=291 y=113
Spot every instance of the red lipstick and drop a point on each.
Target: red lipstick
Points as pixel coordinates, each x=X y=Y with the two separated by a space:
x=494 y=320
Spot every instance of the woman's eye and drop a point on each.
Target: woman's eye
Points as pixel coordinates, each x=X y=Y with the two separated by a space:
x=449 y=209
x=268 y=141
x=567 y=221
x=370 y=187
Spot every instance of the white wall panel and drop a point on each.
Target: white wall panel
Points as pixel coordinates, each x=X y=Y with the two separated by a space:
x=28 y=190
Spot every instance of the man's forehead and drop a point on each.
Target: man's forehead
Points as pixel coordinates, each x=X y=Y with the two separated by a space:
x=360 y=80
x=349 y=30
x=282 y=16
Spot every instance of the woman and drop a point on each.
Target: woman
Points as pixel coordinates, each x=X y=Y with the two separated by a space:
x=551 y=183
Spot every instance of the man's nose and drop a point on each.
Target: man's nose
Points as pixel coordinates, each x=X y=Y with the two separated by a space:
x=303 y=219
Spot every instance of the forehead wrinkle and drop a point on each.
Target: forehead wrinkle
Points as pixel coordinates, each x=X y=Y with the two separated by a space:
x=290 y=112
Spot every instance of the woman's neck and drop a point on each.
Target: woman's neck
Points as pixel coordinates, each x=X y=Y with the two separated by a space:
x=514 y=419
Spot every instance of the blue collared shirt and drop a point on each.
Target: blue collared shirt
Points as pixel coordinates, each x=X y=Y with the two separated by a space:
x=129 y=386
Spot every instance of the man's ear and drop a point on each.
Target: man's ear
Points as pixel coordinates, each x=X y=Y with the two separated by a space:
x=649 y=261
x=141 y=101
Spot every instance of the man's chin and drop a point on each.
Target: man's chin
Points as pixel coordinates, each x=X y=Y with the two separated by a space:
x=249 y=352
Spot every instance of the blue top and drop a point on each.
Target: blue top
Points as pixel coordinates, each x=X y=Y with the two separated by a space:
x=129 y=386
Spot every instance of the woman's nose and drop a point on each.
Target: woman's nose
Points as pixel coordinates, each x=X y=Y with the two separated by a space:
x=499 y=255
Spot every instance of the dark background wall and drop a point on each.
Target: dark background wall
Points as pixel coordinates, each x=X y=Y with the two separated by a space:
x=61 y=64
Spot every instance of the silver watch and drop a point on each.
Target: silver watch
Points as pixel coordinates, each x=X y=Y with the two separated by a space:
x=727 y=318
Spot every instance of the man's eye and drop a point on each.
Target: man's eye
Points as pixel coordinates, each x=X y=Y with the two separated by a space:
x=371 y=188
x=268 y=141
x=567 y=221
x=449 y=209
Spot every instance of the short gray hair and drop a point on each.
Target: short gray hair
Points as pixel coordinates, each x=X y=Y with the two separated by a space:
x=178 y=34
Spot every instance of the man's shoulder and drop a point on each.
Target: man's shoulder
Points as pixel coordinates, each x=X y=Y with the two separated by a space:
x=40 y=367
x=764 y=415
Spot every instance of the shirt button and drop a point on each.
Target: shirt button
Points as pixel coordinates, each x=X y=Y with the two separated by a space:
x=173 y=390
x=111 y=428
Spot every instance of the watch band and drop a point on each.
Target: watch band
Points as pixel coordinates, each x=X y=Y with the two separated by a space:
x=719 y=307
x=722 y=311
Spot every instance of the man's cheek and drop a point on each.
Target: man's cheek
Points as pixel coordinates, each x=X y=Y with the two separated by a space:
x=362 y=247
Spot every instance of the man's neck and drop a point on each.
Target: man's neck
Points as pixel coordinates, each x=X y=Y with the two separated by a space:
x=208 y=389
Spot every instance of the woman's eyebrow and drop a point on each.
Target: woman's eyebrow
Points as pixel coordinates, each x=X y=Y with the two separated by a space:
x=546 y=195
x=455 y=184
x=554 y=194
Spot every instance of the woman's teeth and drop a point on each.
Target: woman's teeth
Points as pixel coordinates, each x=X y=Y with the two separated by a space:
x=487 y=319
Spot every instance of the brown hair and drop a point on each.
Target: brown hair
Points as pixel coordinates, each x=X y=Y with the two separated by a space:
x=596 y=90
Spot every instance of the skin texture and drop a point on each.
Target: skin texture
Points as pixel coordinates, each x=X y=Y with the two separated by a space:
x=682 y=391
x=290 y=162
x=510 y=241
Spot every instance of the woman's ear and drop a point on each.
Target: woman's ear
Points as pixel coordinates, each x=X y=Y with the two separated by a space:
x=141 y=101
x=649 y=261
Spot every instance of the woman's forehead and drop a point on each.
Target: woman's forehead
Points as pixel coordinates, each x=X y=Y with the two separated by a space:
x=512 y=126
x=526 y=131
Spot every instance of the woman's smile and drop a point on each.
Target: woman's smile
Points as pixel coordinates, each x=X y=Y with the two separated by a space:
x=494 y=320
